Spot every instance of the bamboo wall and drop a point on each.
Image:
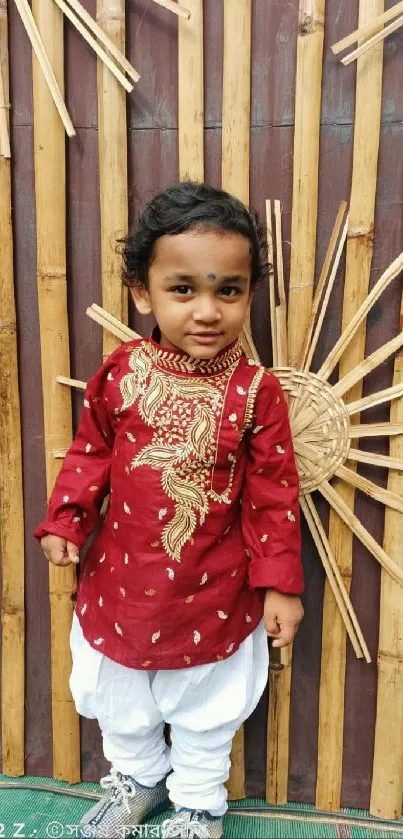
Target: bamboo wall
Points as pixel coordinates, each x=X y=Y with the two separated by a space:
x=161 y=144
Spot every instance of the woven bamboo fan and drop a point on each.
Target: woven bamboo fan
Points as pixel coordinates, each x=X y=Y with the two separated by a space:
x=320 y=413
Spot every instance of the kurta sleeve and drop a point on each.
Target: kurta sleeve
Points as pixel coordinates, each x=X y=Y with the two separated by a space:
x=270 y=501
x=83 y=481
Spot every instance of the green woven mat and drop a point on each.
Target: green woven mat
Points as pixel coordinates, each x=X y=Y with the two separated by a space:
x=41 y=813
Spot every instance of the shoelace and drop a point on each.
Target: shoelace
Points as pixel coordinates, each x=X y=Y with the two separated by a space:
x=187 y=826
x=121 y=786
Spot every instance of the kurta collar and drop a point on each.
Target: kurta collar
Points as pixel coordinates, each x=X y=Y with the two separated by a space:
x=179 y=362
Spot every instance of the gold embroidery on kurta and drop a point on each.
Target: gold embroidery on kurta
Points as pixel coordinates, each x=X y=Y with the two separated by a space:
x=185 y=414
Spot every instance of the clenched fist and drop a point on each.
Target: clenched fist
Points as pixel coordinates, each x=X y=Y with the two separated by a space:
x=59 y=551
x=283 y=614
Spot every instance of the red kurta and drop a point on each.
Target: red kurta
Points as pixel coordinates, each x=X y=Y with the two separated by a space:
x=203 y=513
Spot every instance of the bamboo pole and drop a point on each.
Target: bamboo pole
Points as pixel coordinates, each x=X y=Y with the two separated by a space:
x=358 y=265
x=5 y=150
x=191 y=94
x=236 y=97
x=387 y=777
x=272 y=290
x=303 y=238
x=306 y=170
x=368 y=29
x=112 y=168
x=281 y=309
x=235 y=179
x=49 y=151
x=11 y=497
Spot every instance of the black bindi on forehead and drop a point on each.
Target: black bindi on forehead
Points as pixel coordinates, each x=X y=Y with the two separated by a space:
x=211 y=277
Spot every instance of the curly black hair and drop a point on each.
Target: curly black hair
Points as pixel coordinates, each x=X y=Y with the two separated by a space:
x=185 y=206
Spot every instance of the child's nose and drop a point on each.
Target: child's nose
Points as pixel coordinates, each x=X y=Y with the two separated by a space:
x=206 y=310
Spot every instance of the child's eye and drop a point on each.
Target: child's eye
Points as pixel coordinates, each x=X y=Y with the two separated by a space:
x=229 y=291
x=183 y=290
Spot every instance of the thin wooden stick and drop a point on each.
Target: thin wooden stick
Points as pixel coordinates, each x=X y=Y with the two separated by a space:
x=112 y=142
x=387 y=773
x=111 y=324
x=191 y=94
x=103 y=38
x=327 y=296
x=65 y=380
x=380 y=36
x=325 y=284
x=381 y=460
x=323 y=279
x=130 y=334
x=378 y=357
x=44 y=63
x=305 y=171
x=95 y=46
x=281 y=310
x=367 y=29
x=272 y=292
x=354 y=324
x=343 y=510
x=374 y=399
x=174 y=7
x=369 y=488
x=50 y=195
x=380 y=429
x=11 y=477
x=335 y=579
x=5 y=150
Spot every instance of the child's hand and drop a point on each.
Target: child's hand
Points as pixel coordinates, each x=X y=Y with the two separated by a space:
x=283 y=614
x=59 y=551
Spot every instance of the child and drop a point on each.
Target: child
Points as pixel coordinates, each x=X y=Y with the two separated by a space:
x=201 y=538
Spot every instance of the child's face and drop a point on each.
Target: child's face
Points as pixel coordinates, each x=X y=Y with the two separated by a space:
x=198 y=290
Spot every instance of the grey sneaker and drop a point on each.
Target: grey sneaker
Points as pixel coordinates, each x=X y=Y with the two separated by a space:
x=123 y=807
x=192 y=824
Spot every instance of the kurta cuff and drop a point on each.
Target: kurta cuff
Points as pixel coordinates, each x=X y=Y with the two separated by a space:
x=70 y=533
x=281 y=577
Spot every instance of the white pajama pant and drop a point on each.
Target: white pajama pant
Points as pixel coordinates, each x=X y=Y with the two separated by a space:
x=204 y=705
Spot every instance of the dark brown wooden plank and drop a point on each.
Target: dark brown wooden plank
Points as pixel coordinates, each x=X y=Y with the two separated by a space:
x=80 y=65
x=152 y=45
x=38 y=740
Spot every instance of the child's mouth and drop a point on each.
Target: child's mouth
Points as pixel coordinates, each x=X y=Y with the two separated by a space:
x=205 y=337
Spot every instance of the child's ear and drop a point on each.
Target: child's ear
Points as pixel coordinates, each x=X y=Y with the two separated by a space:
x=141 y=300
